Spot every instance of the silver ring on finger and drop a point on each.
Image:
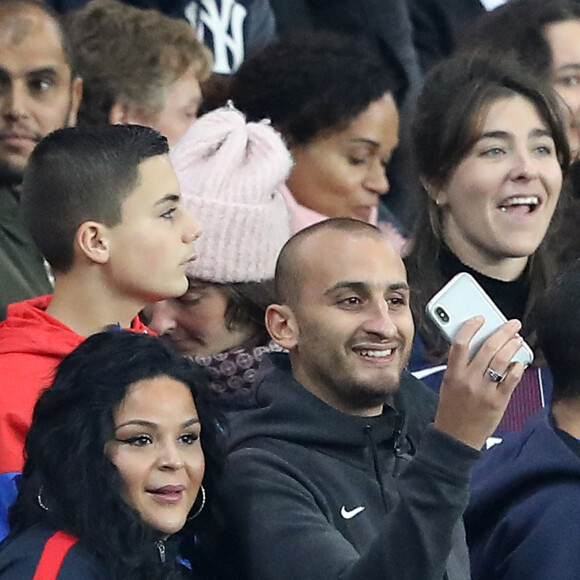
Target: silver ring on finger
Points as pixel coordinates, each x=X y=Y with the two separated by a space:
x=495 y=376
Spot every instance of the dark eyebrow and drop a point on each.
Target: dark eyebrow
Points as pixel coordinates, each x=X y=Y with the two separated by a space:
x=399 y=286
x=569 y=66
x=364 y=287
x=144 y=423
x=48 y=70
x=346 y=285
x=366 y=141
x=505 y=135
x=195 y=284
x=170 y=197
x=540 y=133
x=494 y=135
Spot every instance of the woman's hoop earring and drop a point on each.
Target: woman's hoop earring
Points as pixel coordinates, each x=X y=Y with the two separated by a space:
x=200 y=509
x=39 y=499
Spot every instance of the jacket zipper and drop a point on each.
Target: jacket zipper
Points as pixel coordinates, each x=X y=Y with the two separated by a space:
x=375 y=460
x=161 y=549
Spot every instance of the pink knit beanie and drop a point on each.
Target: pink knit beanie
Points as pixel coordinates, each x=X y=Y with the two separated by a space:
x=229 y=172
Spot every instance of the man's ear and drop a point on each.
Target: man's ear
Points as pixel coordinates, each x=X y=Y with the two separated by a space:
x=282 y=326
x=92 y=241
x=76 y=97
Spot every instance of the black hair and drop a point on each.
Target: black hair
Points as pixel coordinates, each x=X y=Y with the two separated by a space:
x=558 y=330
x=65 y=449
x=79 y=174
x=313 y=82
x=450 y=109
x=246 y=306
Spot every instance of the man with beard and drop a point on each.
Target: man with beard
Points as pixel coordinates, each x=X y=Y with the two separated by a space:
x=326 y=478
x=38 y=94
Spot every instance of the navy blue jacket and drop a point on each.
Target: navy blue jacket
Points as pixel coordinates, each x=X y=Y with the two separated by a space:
x=523 y=519
x=20 y=555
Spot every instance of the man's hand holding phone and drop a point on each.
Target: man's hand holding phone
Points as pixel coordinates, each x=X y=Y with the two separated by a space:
x=475 y=393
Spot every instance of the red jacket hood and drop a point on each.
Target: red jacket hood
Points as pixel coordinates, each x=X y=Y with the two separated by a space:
x=29 y=329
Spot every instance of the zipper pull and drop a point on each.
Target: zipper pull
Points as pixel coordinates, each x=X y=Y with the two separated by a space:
x=397 y=434
x=161 y=550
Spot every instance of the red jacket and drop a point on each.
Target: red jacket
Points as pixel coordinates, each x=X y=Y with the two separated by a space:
x=32 y=343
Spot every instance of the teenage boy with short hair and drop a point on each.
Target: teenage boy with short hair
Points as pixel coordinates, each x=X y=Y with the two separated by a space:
x=103 y=206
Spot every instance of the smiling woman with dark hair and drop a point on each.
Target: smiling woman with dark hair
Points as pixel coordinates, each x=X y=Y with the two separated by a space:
x=544 y=37
x=491 y=150
x=114 y=465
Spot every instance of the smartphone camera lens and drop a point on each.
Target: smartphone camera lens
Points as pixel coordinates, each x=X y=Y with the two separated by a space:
x=442 y=315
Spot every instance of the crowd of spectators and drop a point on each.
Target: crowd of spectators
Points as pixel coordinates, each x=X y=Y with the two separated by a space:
x=221 y=222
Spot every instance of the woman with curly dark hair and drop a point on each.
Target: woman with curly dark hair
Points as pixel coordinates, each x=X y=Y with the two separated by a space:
x=114 y=466
x=334 y=100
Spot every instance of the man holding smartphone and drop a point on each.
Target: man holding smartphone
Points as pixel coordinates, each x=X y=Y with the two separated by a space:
x=339 y=473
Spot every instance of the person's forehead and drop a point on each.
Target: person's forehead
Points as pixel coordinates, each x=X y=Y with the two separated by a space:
x=155 y=186
x=333 y=257
x=341 y=240
x=29 y=25
x=564 y=40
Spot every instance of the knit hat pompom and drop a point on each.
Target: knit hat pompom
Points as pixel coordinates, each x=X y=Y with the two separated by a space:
x=230 y=173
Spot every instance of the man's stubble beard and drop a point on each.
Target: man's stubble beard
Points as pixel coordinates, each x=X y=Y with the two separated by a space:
x=11 y=175
x=341 y=379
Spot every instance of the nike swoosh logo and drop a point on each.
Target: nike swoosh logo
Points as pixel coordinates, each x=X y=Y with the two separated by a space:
x=349 y=514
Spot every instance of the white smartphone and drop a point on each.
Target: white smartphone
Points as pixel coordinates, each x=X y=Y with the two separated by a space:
x=463 y=298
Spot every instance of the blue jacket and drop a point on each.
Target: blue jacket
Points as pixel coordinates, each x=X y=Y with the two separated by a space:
x=523 y=520
x=20 y=556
